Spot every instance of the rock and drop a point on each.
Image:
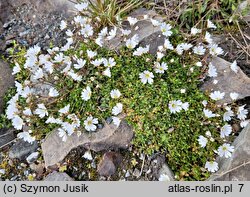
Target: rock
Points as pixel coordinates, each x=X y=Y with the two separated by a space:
x=228 y=81
x=6 y=136
x=21 y=149
x=58 y=176
x=236 y=167
x=136 y=173
x=109 y=137
x=154 y=41
x=32 y=157
x=6 y=81
x=166 y=173
x=145 y=28
x=109 y=163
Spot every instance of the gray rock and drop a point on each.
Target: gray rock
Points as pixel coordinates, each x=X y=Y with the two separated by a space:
x=145 y=28
x=228 y=81
x=109 y=137
x=166 y=171
x=32 y=157
x=21 y=149
x=6 y=81
x=58 y=176
x=109 y=163
x=236 y=167
x=6 y=136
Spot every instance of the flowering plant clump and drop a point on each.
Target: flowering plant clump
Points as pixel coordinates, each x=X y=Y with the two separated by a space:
x=76 y=87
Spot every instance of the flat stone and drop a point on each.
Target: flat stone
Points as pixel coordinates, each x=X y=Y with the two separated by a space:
x=58 y=176
x=6 y=81
x=145 y=28
x=228 y=81
x=21 y=149
x=109 y=137
x=6 y=136
x=109 y=163
x=237 y=167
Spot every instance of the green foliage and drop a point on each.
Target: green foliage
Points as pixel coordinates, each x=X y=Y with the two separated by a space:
x=145 y=106
x=109 y=12
x=198 y=11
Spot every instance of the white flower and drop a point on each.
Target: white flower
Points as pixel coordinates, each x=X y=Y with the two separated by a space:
x=53 y=92
x=234 y=67
x=132 y=21
x=69 y=33
x=38 y=74
x=103 y=32
x=17 y=122
x=244 y=123
x=199 y=50
x=62 y=133
x=141 y=50
x=80 y=20
x=26 y=137
x=91 y=54
x=19 y=87
x=179 y=49
x=81 y=6
x=208 y=134
x=226 y=130
x=116 y=121
x=69 y=128
x=208 y=38
x=16 y=69
x=210 y=25
x=109 y=63
x=33 y=51
x=215 y=50
x=217 y=95
x=107 y=72
x=211 y=166
x=27 y=91
x=99 y=41
x=51 y=120
x=59 y=58
x=242 y=113
x=48 y=66
x=41 y=111
x=228 y=114
x=86 y=93
x=160 y=68
x=183 y=91
x=164 y=177
x=80 y=63
x=225 y=150
x=175 y=106
x=27 y=112
x=199 y=64
x=87 y=155
x=185 y=106
x=117 y=109
x=115 y=94
x=87 y=31
x=212 y=71
x=75 y=76
x=2 y=171
x=132 y=42
x=202 y=141
x=64 y=110
x=234 y=96
x=90 y=123
x=168 y=45
x=146 y=77
x=166 y=29
x=195 y=31
x=186 y=46
x=97 y=62
x=204 y=103
x=112 y=33
x=155 y=23
x=63 y=25
x=208 y=113
x=125 y=32
x=160 y=55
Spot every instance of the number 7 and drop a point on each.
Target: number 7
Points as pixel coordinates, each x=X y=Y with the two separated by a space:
x=241 y=186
